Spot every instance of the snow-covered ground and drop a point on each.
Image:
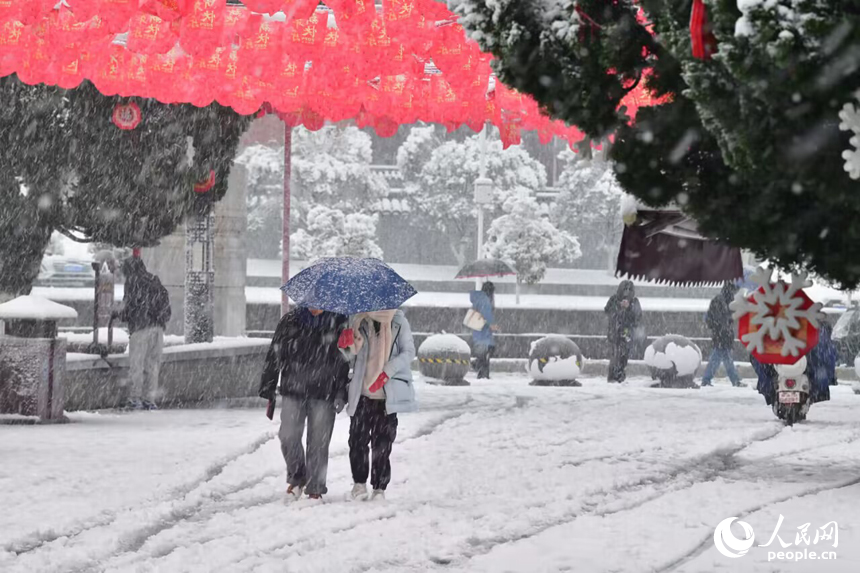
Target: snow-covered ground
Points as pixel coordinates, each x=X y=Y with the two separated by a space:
x=495 y=477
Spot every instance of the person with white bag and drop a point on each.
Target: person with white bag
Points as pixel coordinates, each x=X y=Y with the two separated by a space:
x=481 y=321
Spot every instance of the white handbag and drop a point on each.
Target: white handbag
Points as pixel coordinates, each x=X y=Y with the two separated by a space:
x=474 y=320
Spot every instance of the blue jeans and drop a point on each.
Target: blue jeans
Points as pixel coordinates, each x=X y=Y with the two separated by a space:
x=721 y=356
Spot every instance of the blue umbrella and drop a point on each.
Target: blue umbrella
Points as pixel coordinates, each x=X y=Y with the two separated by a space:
x=348 y=286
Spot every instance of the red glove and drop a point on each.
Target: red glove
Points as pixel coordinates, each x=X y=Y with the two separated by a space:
x=380 y=382
x=347 y=339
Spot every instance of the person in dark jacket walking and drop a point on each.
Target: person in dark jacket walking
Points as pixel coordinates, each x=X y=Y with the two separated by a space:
x=624 y=313
x=146 y=311
x=314 y=378
x=722 y=327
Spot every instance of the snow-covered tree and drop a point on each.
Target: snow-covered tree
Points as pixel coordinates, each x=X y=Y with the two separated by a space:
x=415 y=151
x=589 y=204
x=331 y=233
x=265 y=199
x=133 y=187
x=445 y=181
x=748 y=140
x=528 y=240
x=330 y=168
x=31 y=157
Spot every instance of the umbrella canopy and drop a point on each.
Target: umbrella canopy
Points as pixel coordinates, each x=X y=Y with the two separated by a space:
x=349 y=286
x=485 y=268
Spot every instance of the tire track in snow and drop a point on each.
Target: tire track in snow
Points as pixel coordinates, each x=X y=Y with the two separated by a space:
x=700 y=468
x=704 y=467
x=708 y=540
x=34 y=541
x=200 y=510
x=710 y=466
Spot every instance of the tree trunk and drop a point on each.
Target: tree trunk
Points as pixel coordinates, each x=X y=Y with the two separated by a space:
x=25 y=235
x=518 y=289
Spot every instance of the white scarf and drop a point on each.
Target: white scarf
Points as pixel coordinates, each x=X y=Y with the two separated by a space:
x=379 y=344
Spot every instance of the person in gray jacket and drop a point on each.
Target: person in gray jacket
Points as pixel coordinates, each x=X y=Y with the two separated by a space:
x=380 y=388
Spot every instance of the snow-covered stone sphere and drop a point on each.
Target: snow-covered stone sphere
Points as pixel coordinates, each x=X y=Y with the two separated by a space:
x=555 y=361
x=674 y=360
x=445 y=358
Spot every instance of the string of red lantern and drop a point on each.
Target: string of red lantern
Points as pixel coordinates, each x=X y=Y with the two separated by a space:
x=411 y=62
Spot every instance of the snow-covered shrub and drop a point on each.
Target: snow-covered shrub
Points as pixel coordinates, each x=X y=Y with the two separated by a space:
x=527 y=240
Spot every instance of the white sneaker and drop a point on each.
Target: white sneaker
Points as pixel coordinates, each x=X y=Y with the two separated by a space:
x=294 y=493
x=378 y=494
x=359 y=492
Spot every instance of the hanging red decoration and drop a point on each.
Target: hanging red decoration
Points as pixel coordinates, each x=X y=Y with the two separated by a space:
x=151 y=35
x=202 y=28
x=205 y=185
x=702 y=39
x=298 y=9
x=411 y=62
x=126 y=116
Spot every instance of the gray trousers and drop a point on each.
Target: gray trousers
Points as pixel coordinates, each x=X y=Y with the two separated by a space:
x=307 y=471
x=144 y=350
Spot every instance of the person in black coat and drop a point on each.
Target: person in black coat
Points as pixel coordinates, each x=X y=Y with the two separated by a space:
x=146 y=311
x=314 y=377
x=624 y=314
x=722 y=327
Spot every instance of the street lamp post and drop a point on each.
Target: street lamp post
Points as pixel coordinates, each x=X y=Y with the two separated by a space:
x=483 y=195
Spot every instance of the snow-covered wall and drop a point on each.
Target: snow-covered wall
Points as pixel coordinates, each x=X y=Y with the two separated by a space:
x=229 y=368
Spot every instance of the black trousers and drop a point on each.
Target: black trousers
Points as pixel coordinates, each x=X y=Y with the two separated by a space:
x=619 y=352
x=371 y=428
x=482 y=360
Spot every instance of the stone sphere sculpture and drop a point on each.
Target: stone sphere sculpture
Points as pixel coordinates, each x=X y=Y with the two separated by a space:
x=444 y=359
x=674 y=361
x=555 y=361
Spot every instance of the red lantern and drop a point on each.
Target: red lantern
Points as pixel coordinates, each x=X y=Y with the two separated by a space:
x=116 y=14
x=126 y=116
x=203 y=186
x=298 y=9
x=168 y=10
x=201 y=29
x=151 y=35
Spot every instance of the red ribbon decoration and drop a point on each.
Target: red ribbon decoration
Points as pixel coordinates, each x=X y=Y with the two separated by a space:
x=703 y=40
